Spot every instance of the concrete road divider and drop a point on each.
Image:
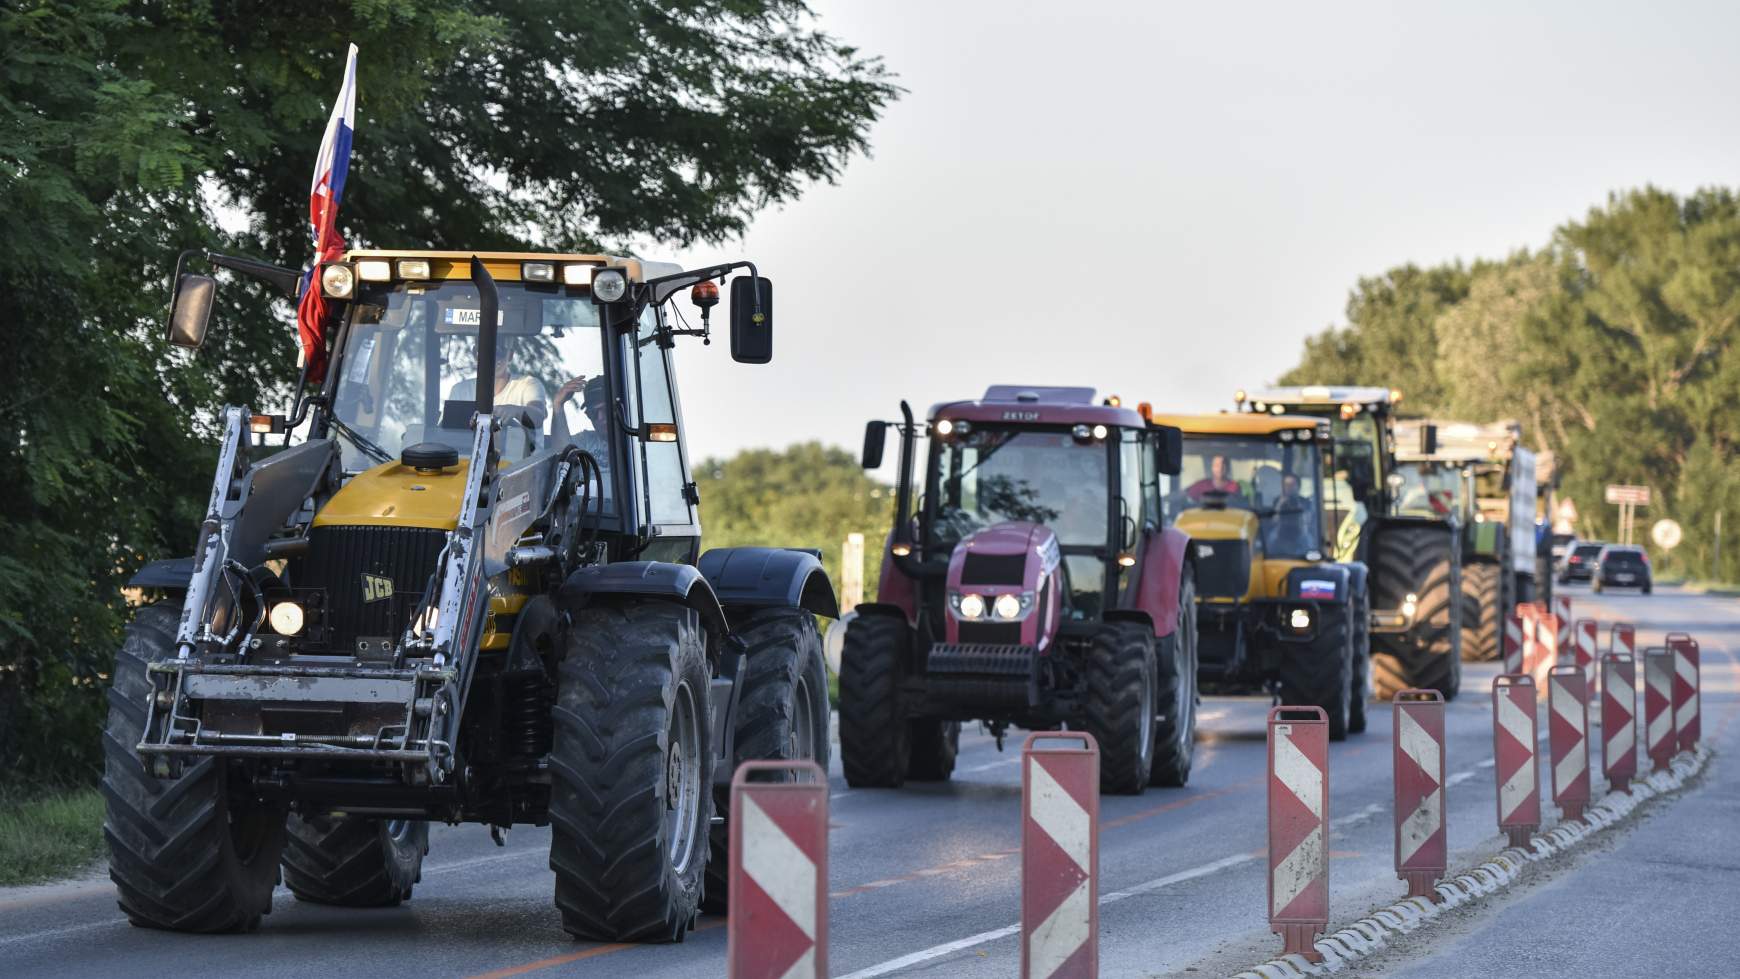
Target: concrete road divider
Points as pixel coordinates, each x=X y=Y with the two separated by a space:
x=778 y=927
x=1513 y=752
x=1060 y=893
x=1658 y=711
x=1299 y=827
x=1422 y=853
x=1687 y=723
x=1513 y=641
x=1567 y=729
x=1619 y=718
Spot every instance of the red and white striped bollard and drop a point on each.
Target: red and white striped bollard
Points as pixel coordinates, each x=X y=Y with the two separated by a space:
x=779 y=874
x=1568 y=731
x=1619 y=719
x=1418 y=753
x=1060 y=894
x=1513 y=640
x=1299 y=827
x=1659 y=742
x=1513 y=752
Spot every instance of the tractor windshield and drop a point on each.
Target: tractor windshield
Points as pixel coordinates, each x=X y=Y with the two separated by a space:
x=408 y=371
x=1428 y=489
x=1044 y=477
x=1277 y=480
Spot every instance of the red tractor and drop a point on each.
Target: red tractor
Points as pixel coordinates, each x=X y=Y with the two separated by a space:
x=1035 y=584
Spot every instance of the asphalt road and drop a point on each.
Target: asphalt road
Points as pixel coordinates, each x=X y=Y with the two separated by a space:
x=925 y=880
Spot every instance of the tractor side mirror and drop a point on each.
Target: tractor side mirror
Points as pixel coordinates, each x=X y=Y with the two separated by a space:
x=1169 y=445
x=751 y=319
x=190 y=310
x=1428 y=440
x=875 y=437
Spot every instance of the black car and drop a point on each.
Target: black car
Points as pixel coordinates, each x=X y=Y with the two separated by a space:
x=1623 y=566
x=1580 y=562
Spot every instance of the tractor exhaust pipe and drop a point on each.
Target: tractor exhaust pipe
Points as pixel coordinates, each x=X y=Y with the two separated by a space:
x=489 y=302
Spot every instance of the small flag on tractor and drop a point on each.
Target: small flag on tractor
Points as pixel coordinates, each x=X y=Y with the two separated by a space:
x=330 y=168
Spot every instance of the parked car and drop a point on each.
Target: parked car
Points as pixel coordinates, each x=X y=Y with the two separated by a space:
x=1623 y=566
x=1579 y=564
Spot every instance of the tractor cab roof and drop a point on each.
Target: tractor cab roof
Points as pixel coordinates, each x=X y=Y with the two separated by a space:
x=1320 y=395
x=1038 y=405
x=508 y=266
x=1228 y=423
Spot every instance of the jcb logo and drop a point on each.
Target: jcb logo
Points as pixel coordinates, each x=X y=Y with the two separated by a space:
x=376 y=588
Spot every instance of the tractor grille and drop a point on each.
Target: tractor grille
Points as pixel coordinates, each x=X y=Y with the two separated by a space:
x=1223 y=569
x=994 y=569
x=372 y=578
x=999 y=633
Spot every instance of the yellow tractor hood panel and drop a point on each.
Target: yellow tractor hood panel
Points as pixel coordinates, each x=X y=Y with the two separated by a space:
x=1275 y=575
x=1229 y=524
x=395 y=495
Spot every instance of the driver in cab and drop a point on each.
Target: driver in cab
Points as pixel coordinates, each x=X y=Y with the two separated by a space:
x=525 y=392
x=1217 y=481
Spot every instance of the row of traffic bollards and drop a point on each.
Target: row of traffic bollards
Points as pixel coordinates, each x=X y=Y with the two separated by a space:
x=1298 y=886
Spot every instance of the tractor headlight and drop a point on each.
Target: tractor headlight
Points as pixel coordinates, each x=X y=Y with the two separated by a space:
x=1010 y=606
x=538 y=271
x=337 y=281
x=968 y=606
x=1300 y=620
x=609 y=285
x=286 y=618
x=374 y=270
x=1410 y=605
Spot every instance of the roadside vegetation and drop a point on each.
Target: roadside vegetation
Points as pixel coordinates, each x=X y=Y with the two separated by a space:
x=1612 y=344
x=47 y=835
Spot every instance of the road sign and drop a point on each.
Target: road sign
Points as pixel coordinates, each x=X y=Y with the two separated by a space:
x=1299 y=827
x=778 y=873
x=1666 y=534
x=1633 y=495
x=1418 y=758
x=1060 y=897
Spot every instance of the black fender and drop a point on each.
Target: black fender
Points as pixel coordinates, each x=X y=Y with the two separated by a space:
x=1126 y=615
x=883 y=609
x=750 y=578
x=171 y=574
x=680 y=583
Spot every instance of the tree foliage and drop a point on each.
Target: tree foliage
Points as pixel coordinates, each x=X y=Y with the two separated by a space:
x=1614 y=345
x=806 y=496
x=127 y=130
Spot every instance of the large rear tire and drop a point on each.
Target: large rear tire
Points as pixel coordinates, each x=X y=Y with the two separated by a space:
x=1482 y=612
x=782 y=714
x=1419 y=561
x=195 y=853
x=875 y=745
x=631 y=773
x=1175 y=729
x=1359 y=633
x=352 y=862
x=1120 y=704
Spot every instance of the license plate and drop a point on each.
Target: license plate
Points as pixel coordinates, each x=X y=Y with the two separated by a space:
x=1622 y=577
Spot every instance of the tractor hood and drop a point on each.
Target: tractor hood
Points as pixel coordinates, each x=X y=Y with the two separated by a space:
x=1019 y=560
x=394 y=495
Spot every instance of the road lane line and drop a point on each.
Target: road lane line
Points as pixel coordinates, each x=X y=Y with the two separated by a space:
x=57 y=932
x=985 y=937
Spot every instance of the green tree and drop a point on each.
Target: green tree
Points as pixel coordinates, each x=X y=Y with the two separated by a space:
x=125 y=128
x=808 y=495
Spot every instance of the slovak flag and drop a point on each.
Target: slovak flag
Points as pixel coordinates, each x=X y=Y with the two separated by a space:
x=323 y=199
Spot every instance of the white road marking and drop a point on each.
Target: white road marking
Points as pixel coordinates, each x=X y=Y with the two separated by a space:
x=985 y=937
x=57 y=932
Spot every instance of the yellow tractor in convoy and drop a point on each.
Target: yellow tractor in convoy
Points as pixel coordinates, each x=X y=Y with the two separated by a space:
x=460 y=581
x=1275 y=613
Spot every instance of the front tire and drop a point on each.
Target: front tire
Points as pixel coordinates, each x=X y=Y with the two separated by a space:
x=353 y=862
x=782 y=714
x=875 y=745
x=1359 y=632
x=1418 y=561
x=1321 y=675
x=631 y=769
x=196 y=853
x=1120 y=704
x=933 y=746
x=1175 y=736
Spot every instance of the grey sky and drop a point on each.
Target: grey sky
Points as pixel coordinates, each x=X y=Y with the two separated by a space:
x=1163 y=200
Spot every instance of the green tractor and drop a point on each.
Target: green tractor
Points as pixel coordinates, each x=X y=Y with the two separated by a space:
x=418 y=597
x=1409 y=542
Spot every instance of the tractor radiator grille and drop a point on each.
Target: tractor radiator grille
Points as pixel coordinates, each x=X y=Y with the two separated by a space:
x=372 y=578
x=998 y=633
x=994 y=569
x=1223 y=569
